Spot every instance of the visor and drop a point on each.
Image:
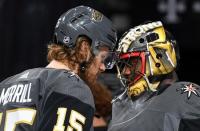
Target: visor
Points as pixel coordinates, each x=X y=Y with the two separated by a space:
x=111 y=60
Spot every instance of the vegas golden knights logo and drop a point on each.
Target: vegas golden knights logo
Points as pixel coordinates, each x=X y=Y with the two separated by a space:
x=97 y=16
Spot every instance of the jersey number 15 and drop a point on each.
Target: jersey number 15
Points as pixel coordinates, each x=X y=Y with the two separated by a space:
x=27 y=116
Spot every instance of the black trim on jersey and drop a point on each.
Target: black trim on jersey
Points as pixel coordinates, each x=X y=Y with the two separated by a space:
x=189 y=125
x=56 y=100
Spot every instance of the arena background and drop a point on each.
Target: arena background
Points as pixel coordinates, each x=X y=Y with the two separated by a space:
x=26 y=26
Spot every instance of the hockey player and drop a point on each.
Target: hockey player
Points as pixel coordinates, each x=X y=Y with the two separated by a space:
x=56 y=98
x=153 y=99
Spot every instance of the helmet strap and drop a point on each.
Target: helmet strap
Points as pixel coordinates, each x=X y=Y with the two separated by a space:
x=83 y=66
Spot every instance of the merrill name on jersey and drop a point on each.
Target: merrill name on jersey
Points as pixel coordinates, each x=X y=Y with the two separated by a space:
x=19 y=93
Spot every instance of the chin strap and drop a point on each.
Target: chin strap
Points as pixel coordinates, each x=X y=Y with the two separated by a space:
x=83 y=66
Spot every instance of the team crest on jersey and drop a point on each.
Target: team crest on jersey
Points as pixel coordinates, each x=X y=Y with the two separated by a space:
x=25 y=75
x=97 y=16
x=190 y=89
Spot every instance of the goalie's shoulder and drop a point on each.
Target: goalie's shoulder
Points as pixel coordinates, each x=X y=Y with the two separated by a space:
x=187 y=90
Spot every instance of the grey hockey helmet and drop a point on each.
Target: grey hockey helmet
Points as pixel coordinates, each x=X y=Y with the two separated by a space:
x=85 y=21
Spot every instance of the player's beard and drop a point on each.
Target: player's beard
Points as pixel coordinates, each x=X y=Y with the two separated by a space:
x=102 y=96
x=90 y=74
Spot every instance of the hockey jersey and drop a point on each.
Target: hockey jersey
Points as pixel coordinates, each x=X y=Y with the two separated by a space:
x=45 y=99
x=177 y=108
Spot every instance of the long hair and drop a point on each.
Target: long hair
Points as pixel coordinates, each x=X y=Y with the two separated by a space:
x=72 y=57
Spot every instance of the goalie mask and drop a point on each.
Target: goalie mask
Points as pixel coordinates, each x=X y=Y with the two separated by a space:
x=146 y=53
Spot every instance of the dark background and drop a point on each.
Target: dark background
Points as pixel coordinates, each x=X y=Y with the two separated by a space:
x=26 y=26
